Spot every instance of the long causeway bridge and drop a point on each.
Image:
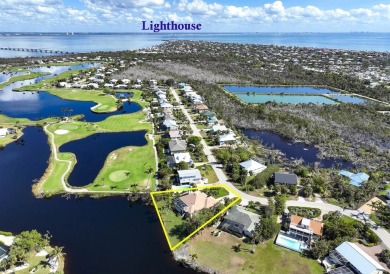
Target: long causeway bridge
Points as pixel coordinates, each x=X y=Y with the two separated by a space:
x=38 y=50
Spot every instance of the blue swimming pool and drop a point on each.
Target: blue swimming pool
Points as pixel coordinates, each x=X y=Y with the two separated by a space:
x=290 y=243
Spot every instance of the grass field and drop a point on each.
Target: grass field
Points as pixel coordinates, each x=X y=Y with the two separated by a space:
x=218 y=254
x=208 y=173
x=128 y=168
x=170 y=221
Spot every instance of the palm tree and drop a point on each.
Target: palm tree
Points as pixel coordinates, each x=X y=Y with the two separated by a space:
x=57 y=250
x=193 y=257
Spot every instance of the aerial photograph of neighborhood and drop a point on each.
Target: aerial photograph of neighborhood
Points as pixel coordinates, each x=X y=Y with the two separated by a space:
x=195 y=136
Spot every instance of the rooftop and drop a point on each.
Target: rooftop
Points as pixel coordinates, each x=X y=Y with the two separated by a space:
x=358 y=258
x=355 y=179
x=314 y=226
x=196 y=201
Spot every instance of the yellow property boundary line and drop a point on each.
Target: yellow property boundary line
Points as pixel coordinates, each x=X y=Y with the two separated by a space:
x=202 y=226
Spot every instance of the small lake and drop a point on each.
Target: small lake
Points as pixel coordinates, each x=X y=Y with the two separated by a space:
x=4 y=76
x=350 y=99
x=293 y=150
x=39 y=105
x=285 y=99
x=92 y=151
x=291 y=95
x=279 y=89
x=100 y=236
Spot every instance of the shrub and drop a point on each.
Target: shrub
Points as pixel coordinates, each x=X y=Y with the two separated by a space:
x=4 y=233
x=306 y=212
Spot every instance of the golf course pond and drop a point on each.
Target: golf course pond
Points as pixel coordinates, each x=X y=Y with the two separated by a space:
x=101 y=236
x=109 y=235
x=92 y=151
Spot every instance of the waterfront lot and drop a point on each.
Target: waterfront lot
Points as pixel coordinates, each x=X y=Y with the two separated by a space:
x=218 y=254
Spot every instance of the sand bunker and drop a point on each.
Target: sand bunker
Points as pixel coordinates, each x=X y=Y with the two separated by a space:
x=61 y=131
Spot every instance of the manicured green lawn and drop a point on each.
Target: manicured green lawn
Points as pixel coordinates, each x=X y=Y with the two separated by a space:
x=51 y=181
x=217 y=253
x=136 y=161
x=170 y=221
x=128 y=168
x=208 y=173
x=202 y=126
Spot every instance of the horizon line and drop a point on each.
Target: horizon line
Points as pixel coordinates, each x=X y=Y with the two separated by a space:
x=164 y=32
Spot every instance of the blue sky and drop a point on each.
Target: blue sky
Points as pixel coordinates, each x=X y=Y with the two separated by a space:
x=215 y=16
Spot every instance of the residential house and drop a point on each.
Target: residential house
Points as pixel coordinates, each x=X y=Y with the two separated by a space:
x=179 y=157
x=217 y=128
x=211 y=120
x=187 y=88
x=93 y=86
x=200 y=108
x=177 y=146
x=121 y=86
x=305 y=229
x=170 y=124
x=3 y=132
x=355 y=179
x=240 y=222
x=174 y=134
x=136 y=86
x=285 y=178
x=189 y=176
x=229 y=138
x=109 y=85
x=64 y=85
x=76 y=85
x=166 y=105
x=252 y=167
x=169 y=116
x=349 y=258
x=167 y=111
x=3 y=251
x=193 y=201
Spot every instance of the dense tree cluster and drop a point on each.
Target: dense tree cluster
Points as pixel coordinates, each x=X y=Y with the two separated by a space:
x=24 y=244
x=337 y=229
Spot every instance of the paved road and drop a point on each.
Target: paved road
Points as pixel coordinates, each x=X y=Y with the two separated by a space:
x=324 y=207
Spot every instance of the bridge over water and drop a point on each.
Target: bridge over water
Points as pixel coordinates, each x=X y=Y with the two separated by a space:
x=37 y=50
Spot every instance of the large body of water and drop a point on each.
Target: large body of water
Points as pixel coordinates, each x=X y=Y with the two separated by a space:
x=100 y=236
x=38 y=105
x=116 y=42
